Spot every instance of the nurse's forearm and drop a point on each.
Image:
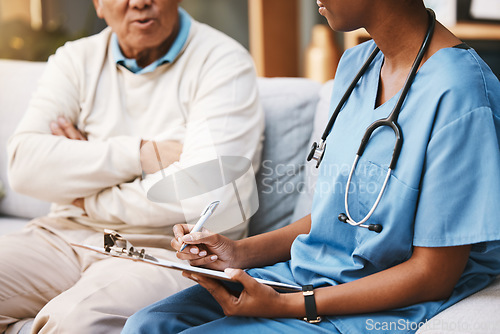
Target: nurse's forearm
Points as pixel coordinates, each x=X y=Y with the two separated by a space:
x=430 y=274
x=272 y=247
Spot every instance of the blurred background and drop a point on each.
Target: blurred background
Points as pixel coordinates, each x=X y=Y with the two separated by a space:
x=285 y=37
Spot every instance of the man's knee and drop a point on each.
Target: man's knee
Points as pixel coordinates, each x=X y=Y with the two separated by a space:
x=82 y=317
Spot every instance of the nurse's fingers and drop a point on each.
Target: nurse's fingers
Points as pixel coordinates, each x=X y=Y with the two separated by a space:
x=200 y=262
x=217 y=290
x=180 y=230
x=248 y=282
x=196 y=257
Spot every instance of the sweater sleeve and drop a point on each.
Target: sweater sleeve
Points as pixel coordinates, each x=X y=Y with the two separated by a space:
x=55 y=168
x=224 y=119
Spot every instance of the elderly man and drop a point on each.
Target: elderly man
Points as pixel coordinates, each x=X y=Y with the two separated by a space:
x=154 y=76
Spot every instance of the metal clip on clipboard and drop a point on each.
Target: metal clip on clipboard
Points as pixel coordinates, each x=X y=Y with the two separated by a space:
x=115 y=244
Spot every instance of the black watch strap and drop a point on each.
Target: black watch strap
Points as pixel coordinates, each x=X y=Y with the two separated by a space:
x=310 y=302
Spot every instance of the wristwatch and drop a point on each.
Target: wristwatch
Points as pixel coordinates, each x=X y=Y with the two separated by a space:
x=311 y=313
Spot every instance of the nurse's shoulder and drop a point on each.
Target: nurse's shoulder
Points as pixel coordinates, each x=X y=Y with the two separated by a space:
x=488 y=82
x=461 y=83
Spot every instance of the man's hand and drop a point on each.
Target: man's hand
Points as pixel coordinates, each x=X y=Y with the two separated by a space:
x=62 y=127
x=158 y=155
x=80 y=203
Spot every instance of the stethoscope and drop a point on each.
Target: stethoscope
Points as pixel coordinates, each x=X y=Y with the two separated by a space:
x=317 y=151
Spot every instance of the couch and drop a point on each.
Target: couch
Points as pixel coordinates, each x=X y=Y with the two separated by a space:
x=296 y=111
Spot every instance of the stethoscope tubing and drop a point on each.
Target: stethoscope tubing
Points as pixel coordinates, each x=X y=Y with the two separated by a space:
x=347 y=93
x=361 y=223
x=397 y=133
x=317 y=151
x=390 y=121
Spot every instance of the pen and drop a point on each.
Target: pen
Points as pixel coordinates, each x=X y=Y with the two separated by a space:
x=209 y=210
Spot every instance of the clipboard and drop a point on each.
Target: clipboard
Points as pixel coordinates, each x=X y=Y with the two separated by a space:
x=117 y=246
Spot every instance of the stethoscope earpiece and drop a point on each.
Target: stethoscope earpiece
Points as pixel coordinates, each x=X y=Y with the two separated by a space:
x=371 y=227
x=343 y=218
x=375 y=228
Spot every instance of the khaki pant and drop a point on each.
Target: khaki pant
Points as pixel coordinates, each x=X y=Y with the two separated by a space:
x=72 y=290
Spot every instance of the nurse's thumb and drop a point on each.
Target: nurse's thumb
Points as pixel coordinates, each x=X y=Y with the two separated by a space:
x=248 y=282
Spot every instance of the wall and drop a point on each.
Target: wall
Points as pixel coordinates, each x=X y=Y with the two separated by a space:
x=229 y=16
x=70 y=19
x=488 y=50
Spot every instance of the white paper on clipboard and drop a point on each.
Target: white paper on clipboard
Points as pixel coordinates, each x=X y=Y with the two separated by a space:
x=186 y=267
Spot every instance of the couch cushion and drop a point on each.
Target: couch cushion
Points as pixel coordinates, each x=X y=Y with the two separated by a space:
x=289 y=105
x=475 y=314
x=18 y=80
x=304 y=201
x=11 y=224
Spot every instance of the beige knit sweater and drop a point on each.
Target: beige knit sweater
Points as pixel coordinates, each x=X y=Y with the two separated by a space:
x=207 y=99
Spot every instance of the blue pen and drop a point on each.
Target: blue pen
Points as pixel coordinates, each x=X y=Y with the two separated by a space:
x=209 y=210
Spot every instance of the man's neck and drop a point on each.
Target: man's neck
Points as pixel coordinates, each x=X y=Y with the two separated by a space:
x=147 y=56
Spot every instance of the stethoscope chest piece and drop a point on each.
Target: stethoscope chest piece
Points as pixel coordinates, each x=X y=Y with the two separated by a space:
x=317 y=152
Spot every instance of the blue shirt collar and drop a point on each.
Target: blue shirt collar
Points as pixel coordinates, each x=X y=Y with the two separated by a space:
x=172 y=53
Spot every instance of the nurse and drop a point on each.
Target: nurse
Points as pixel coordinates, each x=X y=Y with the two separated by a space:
x=440 y=238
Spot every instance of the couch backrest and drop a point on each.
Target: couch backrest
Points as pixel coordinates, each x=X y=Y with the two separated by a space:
x=305 y=198
x=18 y=80
x=289 y=106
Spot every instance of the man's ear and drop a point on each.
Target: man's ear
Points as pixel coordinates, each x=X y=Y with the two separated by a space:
x=98 y=8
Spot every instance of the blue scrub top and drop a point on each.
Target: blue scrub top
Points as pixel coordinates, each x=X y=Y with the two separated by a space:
x=444 y=191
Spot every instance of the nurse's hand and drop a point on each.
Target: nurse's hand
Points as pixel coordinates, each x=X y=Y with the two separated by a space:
x=256 y=299
x=205 y=248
